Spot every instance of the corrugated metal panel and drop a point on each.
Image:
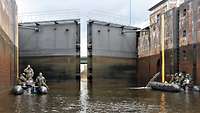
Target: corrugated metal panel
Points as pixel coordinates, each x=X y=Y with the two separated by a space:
x=110 y=41
x=52 y=47
x=50 y=40
x=111 y=50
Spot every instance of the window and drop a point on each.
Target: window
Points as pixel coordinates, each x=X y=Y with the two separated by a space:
x=184 y=12
x=158 y=18
x=184 y=33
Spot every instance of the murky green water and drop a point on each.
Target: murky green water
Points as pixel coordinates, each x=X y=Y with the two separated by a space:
x=103 y=96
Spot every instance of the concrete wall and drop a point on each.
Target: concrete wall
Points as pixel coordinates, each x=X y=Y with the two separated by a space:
x=8 y=20
x=171 y=41
x=150 y=47
x=144 y=43
x=8 y=42
x=51 y=47
x=111 y=50
x=181 y=33
x=113 y=41
x=189 y=38
x=198 y=45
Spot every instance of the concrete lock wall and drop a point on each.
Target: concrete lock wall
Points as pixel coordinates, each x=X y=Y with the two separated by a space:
x=189 y=38
x=181 y=34
x=51 y=47
x=185 y=38
x=149 y=47
x=198 y=42
x=171 y=41
x=143 y=62
x=111 y=51
x=8 y=42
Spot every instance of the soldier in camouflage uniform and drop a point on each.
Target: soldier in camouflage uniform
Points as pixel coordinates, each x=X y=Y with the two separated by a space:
x=29 y=72
x=40 y=80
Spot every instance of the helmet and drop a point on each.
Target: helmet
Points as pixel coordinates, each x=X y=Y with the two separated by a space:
x=180 y=74
x=40 y=73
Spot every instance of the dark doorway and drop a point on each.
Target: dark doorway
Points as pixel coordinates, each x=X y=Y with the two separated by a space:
x=158 y=66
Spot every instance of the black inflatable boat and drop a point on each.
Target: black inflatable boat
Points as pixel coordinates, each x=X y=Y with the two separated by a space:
x=165 y=87
x=20 y=90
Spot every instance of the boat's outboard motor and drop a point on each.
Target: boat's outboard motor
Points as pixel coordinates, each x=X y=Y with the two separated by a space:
x=42 y=90
x=18 y=90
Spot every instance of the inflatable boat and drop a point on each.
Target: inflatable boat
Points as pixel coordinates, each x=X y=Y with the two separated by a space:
x=165 y=87
x=196 y=88
x=20 y=90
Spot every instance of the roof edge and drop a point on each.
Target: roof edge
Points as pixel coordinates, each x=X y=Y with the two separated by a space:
x=157 y=5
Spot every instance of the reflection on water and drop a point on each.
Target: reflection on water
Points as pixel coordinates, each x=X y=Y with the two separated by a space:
x=84 y=97
x=162 y=103
x=83 y=71
x=43 y=103
x=18 y=101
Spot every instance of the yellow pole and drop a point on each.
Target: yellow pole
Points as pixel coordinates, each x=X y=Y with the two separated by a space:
x=163 y=48
x=17 y=47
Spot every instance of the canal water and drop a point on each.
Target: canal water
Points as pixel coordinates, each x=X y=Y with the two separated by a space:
x=102 y=96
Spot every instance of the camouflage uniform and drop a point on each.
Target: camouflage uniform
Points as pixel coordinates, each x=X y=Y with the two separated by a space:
x=22 y=79
x=29 y=73
x=41 y=81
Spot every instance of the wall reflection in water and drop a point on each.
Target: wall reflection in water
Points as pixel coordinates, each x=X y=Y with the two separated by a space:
x=43 y=102
x=18 y=103
x=84 y=89
x=84 y=97
x=30 y=103
x=162 y=103
x=99 y=96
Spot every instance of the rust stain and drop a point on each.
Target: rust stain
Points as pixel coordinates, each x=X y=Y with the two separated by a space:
x=144 y=43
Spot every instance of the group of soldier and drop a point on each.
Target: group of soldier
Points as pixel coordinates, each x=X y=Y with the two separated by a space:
x=182 y=79
x=26 y=79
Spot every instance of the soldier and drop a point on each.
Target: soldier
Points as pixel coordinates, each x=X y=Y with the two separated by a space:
x=22 y=79
x=29 y=72
x=40 y=80
x=173 y=78
x=176 y=80
x=187 y=81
